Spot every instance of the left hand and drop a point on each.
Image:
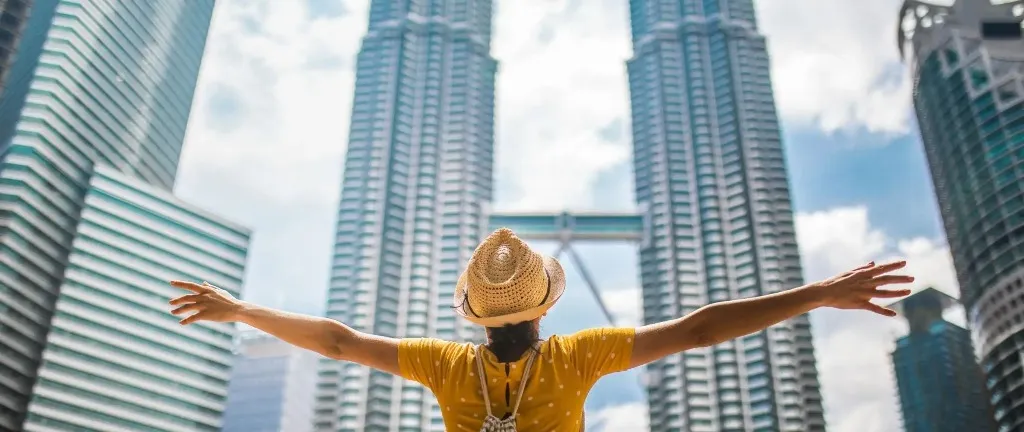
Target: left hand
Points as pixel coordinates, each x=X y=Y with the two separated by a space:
x=856 y=288
x=207 y=301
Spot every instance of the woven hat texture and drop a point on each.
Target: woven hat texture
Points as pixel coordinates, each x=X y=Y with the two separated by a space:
x=506 y=282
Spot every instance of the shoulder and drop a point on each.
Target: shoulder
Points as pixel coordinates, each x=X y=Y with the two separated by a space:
x=597 y=334
x=434 y=347
x=600 y=339
x=426 y=359
x=599 y=351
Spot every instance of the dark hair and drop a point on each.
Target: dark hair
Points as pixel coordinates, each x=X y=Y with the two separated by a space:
x=511 y=341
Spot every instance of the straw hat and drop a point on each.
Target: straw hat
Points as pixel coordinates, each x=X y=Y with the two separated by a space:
x=506 y=282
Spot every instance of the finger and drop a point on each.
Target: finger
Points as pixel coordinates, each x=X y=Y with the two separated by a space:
x=879 y=310
x=865 y=266
x=187 y=308
x=191 y=319
x=886 y=268
x=191 y=286
x=891 y=279
x=882 y=293
x=213 y=287
x=187 y=298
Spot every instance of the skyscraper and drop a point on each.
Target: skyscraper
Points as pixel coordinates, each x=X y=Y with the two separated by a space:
x=967 y=61
x=107 y=86
x=710 y=170
x=113 y=356
x=418 y=172
x=13 y=14
x=940 y=384
x=273 y=386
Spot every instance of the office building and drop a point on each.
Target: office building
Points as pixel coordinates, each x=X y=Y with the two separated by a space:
x=114 y=358
x=941 y=386
x=109 y=87
x=966 y=60
x=13 y=14
x=418 y=171
x=710 y=176
x=710 y=171
x=273 y=386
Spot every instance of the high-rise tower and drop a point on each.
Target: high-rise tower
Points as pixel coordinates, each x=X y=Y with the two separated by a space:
x=940 y=384
x=92 y=121
x=418 y=173
x=13 y=15
x=710 y=171
x=967 y=61
x=273 y=386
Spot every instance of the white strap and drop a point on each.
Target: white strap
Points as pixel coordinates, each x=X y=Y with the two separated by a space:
x=483 y=380
x=522 y=381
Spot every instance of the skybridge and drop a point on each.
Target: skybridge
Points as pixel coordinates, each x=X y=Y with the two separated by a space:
x=567 y=228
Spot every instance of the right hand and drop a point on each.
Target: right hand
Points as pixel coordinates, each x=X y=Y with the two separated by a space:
x=856 y=288
x=207 y=301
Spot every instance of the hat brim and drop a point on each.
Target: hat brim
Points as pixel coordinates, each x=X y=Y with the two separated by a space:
x=556 y=277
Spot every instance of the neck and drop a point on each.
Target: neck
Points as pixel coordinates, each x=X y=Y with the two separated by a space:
x=509 y=342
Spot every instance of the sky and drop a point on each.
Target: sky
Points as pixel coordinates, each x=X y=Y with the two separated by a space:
x=267 y=138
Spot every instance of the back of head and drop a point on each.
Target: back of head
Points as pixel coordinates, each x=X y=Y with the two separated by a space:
x=511 y=341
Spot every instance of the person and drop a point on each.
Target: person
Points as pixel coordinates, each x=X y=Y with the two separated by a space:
x=516 y=380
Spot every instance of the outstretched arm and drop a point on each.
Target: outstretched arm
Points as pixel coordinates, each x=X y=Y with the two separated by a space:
x=327 y=337
x=720 y=322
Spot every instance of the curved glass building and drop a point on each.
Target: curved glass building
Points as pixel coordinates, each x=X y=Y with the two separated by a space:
x=967 y=61
x=92 y=123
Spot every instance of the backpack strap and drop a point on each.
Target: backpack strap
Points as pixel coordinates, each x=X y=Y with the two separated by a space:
x=522 y=381
x=483 y=381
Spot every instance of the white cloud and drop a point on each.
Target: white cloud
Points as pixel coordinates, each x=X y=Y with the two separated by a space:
x=268 y=134
x=835 y=64
x=562 y=79
x=842 y=238
x=853 y=346
x=624 y=305
x=270 y=123
x=624 y=417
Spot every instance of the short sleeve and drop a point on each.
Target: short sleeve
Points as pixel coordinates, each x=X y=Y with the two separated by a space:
x=425 y=360
x=601 y=351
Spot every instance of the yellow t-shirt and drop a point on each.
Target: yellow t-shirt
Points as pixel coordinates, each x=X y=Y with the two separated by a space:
x=556 y=388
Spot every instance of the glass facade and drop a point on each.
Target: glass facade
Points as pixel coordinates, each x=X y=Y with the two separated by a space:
x=272 y=387
x=13 y=15
x=929 y=369
x=941 y=386
x=967 y=60
x=94 y=83
x=418 y=174
x=113 y=356
x=710 y=172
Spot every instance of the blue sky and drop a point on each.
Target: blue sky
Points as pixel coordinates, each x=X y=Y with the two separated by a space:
x=267 y=138
x=887 y=174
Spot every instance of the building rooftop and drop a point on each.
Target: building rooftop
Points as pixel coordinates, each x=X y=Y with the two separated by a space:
x=923 y=308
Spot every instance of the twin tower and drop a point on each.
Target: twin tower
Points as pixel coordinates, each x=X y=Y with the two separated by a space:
x=716 y=220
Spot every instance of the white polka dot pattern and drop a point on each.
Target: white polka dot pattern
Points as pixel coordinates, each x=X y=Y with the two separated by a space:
x=557 y=383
